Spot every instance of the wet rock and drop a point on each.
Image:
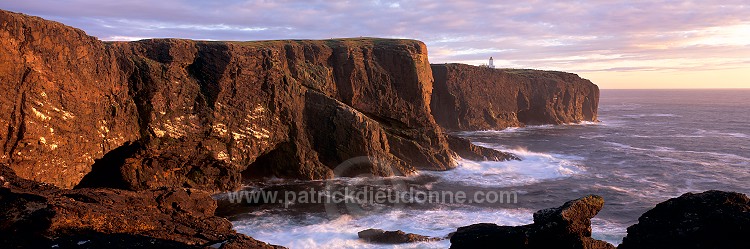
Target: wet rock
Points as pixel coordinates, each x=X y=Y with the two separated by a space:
x=241 y=241
x=567 y=226
x=477 y=98
x=391 y=237
x=465 y=149
x=712 y=219
x=39 y=215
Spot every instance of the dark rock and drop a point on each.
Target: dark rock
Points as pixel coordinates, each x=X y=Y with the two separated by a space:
x=712 y=219
x=241 y=241
x=465 y=149
x=39 y=215
x=135 y=166
x=486 y=235
x=95 y=240
x=477 y=98
x=567 y=226
x=391 y=237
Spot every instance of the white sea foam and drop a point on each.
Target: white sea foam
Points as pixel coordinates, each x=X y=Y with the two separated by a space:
x=504 y=131
x=710 y=156
x=592 y=136
x=611 y=122
x=661 y=115
x=320 y=232
x=712 y=168
x=609 y=231
x=512 y=131
x=584 y=123
x=528 y=128
x=713 y=133
x=657 y=190
x=667 y=136
x=534 y=167
x=620 y=107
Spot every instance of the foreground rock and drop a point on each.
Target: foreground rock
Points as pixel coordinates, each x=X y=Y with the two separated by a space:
x=712 y=219
x=392 y=237
x=568 y=226
x=181 y=113
x=42 y=216
x=478 y=98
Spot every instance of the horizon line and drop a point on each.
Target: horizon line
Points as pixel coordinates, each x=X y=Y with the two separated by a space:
x=697 y=88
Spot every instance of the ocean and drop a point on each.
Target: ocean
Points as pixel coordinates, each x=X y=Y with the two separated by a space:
x=651 y=145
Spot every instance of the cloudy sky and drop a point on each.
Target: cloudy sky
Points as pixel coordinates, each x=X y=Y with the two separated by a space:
x=615 y=43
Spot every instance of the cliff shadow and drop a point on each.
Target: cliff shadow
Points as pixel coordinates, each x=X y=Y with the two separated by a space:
x=443 y=105
x=105 y=172
x=524 y=115
x=92 y=239
x=208 y=68
x=283 y=161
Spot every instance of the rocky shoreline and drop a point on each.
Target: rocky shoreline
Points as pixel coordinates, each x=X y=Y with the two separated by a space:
x=42 y=215
x=121 y=144
x=712 y=219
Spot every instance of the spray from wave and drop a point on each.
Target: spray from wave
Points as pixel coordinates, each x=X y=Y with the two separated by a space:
x=533 y=167
x=318 y=231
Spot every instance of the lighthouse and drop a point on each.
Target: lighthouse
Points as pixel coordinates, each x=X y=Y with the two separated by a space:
x=492 y=63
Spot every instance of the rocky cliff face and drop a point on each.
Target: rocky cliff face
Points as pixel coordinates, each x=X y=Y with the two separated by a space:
x=66 y=101
x=477 y=98
x=170 y=112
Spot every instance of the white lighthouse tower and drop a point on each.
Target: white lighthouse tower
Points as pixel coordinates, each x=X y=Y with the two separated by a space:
x=492 y=63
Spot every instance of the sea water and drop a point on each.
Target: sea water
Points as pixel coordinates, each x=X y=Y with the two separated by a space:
x=651 y=145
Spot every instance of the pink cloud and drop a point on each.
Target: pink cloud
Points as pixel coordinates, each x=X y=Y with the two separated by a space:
x=564 y=35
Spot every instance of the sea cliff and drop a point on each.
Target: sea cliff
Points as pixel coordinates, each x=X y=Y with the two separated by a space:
x=123 y=142
x=480 y=98
x=172 y=112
